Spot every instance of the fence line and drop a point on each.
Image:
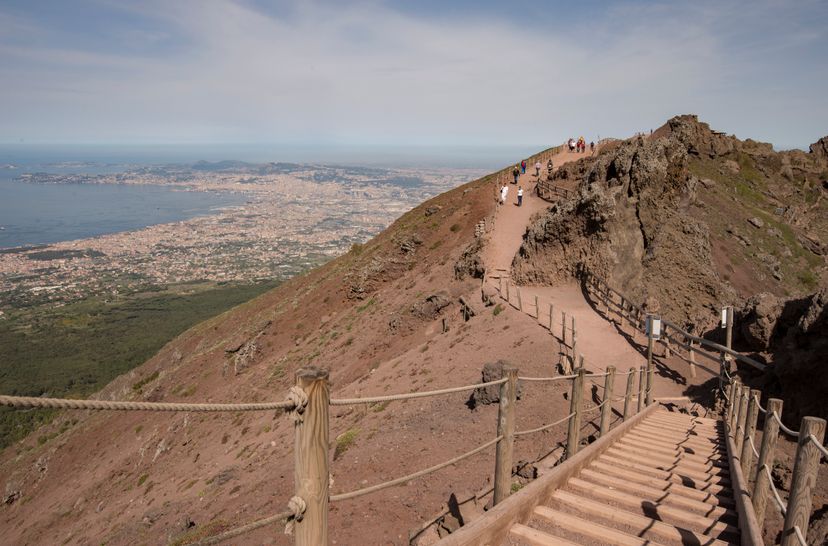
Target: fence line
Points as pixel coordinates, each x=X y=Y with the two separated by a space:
x=411 y=395
x=123 y=405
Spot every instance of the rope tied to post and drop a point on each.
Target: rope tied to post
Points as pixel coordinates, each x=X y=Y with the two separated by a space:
x=299 y=398
x=297 y=507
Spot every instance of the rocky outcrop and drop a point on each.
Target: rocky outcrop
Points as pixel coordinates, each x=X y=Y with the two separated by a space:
x=820 y=149
x=794 y=335
x=481 y=396
x=631 y=222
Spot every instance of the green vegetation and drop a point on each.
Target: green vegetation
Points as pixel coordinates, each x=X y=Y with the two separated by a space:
x=74 y=350
x=497 y=310
x=344 y=441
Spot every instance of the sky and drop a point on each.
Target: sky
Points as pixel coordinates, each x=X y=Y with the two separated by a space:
x=415 y=73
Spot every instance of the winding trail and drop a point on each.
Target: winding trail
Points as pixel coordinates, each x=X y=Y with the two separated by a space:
x=602 y=342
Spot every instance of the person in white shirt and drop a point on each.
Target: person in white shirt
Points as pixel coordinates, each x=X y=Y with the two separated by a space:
x=537 y=167
x=504 y=191
x=520 y=196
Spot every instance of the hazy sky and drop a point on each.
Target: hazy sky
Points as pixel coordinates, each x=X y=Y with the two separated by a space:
x=418 y=72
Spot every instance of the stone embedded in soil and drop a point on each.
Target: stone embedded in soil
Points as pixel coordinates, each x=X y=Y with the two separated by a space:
x=756 y=222
x=492 y=371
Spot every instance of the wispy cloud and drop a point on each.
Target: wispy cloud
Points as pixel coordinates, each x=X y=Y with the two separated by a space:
x=367 y=72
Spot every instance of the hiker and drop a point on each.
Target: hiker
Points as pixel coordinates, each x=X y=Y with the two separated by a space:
x=549 y=167
x=592 y=147
x=523 y=167
x=516 y=174
x=537 y=167
x=504 y=191
x=571 y=144
x=520 y=196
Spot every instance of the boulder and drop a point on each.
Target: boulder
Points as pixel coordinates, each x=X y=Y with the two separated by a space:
x=820 y=149
x=492 y=371
x=757 y=320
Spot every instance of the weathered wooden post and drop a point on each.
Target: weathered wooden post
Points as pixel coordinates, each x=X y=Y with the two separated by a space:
x=573 y=436
x=500 y=285
x=739 y=438
x=650 y=372
x=606 y=409
x=563 y=329
x=508 y=292
x=692 y=358
x=750 y=430
x=761 y=486
x=505 y=428
x=537 y=308
x=727 y=315
x=311 y=475
x=551 y=316
x=581 y=361
x=733 y=405
x=803 y=481
x=642 y=388
x=520 y=300
x=574 y=342
x=629 y=394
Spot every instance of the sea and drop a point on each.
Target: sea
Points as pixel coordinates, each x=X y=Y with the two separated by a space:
x=38 y=214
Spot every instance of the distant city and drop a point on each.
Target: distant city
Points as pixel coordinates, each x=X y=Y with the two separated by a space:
x=292 y=217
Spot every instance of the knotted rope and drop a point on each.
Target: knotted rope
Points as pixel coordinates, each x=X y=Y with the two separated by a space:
x=299 y=399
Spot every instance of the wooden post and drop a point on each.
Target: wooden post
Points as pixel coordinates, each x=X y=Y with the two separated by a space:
x=733 y=405
x=574 y=341
x=520 y=300
x=573 y=436
x=622 y=312
x=311 y=475
x=650 y=372
x=667 y=352
x=581 y=361
x=642 y=382
x=629 y=394
x=761 y=486
x=739 y=438
x=750 y=431
x=692 y=358
x=606 y=409
x=551 y=316
x=563 y=329
x=505 y=428
x=726 y=358
x=500 y=285
x=803 y=480
x=508 y=292
x=537 y=308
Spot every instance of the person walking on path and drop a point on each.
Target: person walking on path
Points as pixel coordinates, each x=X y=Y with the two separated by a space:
x=549 y=167
x=592 y=147
x=523 y=167
x=537 y=167
x=516 y=173
x=520 y=196
x=504 y=191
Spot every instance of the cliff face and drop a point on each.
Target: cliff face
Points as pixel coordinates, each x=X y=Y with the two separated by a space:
x=686 y=220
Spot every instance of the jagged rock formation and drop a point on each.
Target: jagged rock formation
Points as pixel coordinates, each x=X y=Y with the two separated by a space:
x=793 y=333
x=688 y=219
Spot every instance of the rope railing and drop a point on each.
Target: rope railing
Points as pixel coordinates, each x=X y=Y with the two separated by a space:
x=122 y=405
x=258 y=524
x=411 y=395
x=820 y=447
x=540 y=379
x=753 y=446
x=798 y=532
x=424 y=472
x=782 y=426
x=544 y=427
x=783 y=508
x=759 y=405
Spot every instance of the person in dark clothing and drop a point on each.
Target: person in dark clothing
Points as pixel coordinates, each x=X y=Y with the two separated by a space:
x=516 y=173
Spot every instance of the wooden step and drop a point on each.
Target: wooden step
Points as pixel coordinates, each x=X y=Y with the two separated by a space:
x=702 y=482
x=590 y=529
x=691 y=441
x=690 y=460
x=709 y=448
x=657 y=495
x=673 y=451
x=655 y=510
x=679 y=432
x=672 y=462
x=694 y=421
x=628 y=474
x=683 y=417
x=537 y=538
x=641 y=525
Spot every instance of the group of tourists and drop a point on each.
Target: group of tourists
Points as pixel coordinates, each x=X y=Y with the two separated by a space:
x=580 y=145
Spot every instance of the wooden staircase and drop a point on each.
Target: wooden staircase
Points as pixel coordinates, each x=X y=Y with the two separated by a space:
x=665 y=481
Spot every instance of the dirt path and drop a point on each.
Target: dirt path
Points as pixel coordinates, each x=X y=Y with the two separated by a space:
x=602 y=342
